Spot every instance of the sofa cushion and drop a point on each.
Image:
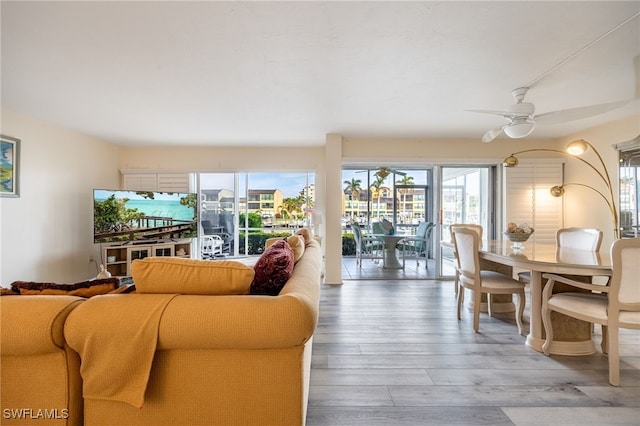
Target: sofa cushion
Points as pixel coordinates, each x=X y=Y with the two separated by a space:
x=296 y=242
x=273 y=269
x=191 y=276
x=82 y=289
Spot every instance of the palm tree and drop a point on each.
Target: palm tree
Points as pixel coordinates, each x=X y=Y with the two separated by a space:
x=305 y=201
x=406 y=180
x=354 y=187
x=291 y=205
x=376 y=188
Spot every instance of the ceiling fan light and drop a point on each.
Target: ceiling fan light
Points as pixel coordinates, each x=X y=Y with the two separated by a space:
x=577 y=147
x=520 y=129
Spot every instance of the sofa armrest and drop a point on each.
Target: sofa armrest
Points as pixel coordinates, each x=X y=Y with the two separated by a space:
x=34 y=324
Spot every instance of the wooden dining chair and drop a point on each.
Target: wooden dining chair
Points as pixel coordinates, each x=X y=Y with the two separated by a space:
x=579 y=238
x=614 y=306
x=467 y=244
x=588 y=239
x=474 y=227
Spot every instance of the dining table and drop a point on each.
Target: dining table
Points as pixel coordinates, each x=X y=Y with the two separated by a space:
x=571 y=336
x=390 y=258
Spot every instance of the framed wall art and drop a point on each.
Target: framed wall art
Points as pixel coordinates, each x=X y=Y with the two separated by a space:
x=9 y=166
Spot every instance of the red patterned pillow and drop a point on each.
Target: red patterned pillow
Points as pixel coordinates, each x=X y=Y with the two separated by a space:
x=273 y=269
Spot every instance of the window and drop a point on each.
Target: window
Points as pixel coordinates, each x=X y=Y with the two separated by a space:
x=400 y=197
x=239 y=205
x=630 y=190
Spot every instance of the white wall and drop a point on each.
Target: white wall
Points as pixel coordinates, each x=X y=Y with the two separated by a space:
x=222 y=159
x=47 y=232
x=440 y=151
x=585 y=208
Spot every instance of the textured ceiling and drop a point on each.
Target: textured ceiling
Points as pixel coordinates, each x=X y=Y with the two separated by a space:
x=288 y=73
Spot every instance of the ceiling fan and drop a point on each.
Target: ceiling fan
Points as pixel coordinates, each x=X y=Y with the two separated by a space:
x=521 y=115
x=523 y=119
x=383 y=172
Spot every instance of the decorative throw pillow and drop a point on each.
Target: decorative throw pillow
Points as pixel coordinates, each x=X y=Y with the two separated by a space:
x=82 y=289
x=191 y=276
x=296 y=242
x=8 y=292
x=273 y=269
x=306 y=233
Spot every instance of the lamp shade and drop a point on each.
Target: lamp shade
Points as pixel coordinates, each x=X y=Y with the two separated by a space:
x=557 y=191
x=577 y=147
x=520 y=128
x=510 y=161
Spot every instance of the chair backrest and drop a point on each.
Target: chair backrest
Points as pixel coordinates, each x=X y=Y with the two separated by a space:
x=424 y=232
x=357 y=234
x=579 y=238
x=422 y=229
x=376 y=228
x=472 y=226
x=467 y=243
x=624 y=292
x=207 y=227
x=427 y=233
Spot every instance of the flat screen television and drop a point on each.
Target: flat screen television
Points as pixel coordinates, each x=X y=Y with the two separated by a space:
x=143 y=216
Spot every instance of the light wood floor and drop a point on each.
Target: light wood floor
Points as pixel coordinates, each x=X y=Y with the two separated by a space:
x=392 y=352
x=374 y=271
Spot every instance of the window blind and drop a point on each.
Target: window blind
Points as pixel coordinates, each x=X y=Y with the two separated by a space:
x=528 y=199
x=163 y=182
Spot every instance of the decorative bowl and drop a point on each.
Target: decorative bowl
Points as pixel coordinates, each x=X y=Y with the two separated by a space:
x=518 y=237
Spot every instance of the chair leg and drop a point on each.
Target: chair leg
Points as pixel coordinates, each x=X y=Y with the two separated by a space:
x=520 y=311
x=548 y=328
x=614 y=360
x=456 y=283
x=489 y=298
x=477 y=297
x=460 y=299
x=605 y=339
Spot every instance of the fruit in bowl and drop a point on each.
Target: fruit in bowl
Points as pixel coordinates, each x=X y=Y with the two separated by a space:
x=518 y=233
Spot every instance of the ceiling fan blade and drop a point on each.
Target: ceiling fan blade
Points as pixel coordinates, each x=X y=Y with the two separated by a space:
x=490 y=111
x=564 y=115
x=492 y=134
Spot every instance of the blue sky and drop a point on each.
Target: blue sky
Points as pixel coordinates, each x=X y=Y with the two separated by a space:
x=289 y=183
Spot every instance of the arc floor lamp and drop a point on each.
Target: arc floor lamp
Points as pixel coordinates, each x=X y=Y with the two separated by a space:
x=573 y=150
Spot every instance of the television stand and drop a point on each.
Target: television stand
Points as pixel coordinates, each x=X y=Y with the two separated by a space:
x=117 y=259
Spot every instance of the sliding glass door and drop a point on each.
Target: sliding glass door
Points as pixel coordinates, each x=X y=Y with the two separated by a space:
x=243 y=209
x=467 y=195
x=401 y=196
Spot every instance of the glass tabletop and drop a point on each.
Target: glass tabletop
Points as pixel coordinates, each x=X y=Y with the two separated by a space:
x=539 y=253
